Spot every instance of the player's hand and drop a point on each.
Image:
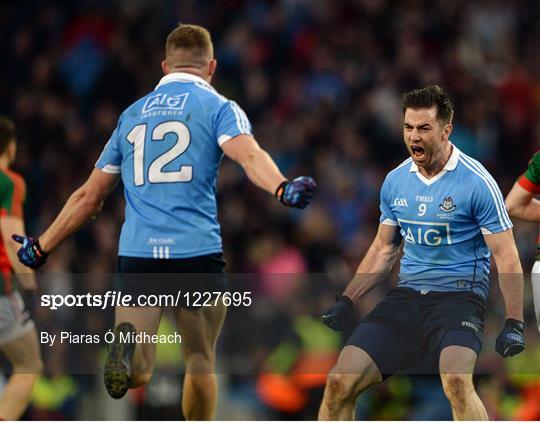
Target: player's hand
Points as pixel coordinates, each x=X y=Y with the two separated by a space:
x=511 y=340
x=338 y=316
x=30 y=254
x=297 y=193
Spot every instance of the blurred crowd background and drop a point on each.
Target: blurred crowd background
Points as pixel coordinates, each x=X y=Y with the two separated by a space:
x=321 y=82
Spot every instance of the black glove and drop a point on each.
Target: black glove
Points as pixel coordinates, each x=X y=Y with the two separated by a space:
x=338 y=316
x=30 y=254
x=297 y=193
x=511 y=340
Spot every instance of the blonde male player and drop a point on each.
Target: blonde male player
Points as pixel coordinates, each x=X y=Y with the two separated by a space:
x=166 y=149
x=522 y=204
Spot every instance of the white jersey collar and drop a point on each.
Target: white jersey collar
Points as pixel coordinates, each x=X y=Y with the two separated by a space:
x=181 y=77
x=451 y=164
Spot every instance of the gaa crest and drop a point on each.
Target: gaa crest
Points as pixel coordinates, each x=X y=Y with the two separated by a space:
x=447 y=205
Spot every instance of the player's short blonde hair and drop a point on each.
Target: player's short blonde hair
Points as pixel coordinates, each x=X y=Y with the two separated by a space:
x=189 y=46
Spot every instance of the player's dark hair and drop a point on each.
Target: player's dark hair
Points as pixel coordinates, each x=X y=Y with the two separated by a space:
x=427 y=97
x=189 y=45
x=7 y=133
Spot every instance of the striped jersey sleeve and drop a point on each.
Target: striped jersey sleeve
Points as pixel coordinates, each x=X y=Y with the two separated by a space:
x=12 y=194
x=387 y=217
x=230 y=122
x=110 y=159
x=488 y=206
x=530 y=180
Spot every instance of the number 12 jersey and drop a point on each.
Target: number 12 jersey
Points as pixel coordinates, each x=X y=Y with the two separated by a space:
x=166 y=147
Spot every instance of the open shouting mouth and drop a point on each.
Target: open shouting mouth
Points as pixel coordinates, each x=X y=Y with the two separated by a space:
x=417 y=152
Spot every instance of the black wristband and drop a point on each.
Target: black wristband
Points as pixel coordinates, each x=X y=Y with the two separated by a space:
x=42 y=253
x=280 y=190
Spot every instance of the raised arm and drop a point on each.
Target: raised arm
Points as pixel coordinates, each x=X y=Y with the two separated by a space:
x=373 y=268
x=81 y=206
x=263 y=172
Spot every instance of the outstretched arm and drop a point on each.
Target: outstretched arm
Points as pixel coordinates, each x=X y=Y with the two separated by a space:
x=81 y=206
x=521 y=204
x=257 y=163
x=263 y=172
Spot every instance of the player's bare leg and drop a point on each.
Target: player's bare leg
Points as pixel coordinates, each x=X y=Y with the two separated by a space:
x=456 y=365
x=354 y=372
x=200 y=330
x=120 y=374
x=23 y=353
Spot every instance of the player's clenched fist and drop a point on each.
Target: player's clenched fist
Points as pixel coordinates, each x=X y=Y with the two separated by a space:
x=511 y=340
x=297 y=193
x=338 y=316
x=30 y=254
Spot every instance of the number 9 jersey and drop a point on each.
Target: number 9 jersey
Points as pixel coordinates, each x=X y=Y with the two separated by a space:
x=442 y=221
x=167 y=149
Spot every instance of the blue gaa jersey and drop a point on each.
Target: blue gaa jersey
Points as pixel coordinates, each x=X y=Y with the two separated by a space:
x=442 y=221
x=167 y=148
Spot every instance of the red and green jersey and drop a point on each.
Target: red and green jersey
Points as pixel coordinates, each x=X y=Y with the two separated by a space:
x=12 y=195
x=530 y=181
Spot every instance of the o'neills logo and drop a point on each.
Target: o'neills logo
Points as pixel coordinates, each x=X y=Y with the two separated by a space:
x=470 y=325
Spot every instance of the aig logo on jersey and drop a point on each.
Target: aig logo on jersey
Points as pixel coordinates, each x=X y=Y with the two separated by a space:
x=432 y=234
x=400 y=202
x=164 y=101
